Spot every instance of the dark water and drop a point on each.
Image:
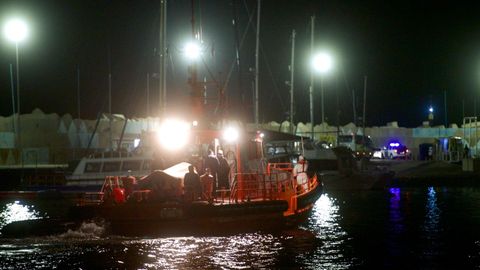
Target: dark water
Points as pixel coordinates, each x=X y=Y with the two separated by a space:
x=428 y=228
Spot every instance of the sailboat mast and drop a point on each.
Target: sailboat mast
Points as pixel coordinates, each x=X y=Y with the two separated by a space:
x=312 y=36
x=292 y=69
x=162 y=71
x=256 y=60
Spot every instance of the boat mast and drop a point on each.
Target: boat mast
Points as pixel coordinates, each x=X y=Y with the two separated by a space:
x=292 y=68
x=256 y=60
x=195 y=91
x=311 y=74
x=162 y=71
x=364 y=107
x=110 y=98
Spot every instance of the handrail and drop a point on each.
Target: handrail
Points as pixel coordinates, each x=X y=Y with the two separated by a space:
x=254 y=186
x=282 y=166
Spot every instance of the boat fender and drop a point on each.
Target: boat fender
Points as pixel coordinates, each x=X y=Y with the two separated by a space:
x=119 y=195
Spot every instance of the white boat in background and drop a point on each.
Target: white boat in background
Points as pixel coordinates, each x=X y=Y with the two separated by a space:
x=91 y=171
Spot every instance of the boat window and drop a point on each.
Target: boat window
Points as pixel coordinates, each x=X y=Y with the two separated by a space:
x=92 y=167
x=111 y=166
x=146 y=165
x=133 y=165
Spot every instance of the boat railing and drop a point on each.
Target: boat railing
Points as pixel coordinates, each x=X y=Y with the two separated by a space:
x=112 y=154
x=115 y=189
x=254 y=186
x=90 y=198
x=301 y=189
x=282 y=166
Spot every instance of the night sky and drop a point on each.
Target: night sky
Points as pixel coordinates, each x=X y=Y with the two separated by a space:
x=411 y=53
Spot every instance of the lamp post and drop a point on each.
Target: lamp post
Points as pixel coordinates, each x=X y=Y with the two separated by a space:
x=16 y=31
x=322 y=63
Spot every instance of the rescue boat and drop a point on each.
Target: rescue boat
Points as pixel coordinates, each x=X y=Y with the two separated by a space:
x=261 y=196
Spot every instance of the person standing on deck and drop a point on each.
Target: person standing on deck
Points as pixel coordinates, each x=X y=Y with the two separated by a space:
x=223 y=171
x=300 y=173
x=212 y=163
x=207 y=185
x=192 y=185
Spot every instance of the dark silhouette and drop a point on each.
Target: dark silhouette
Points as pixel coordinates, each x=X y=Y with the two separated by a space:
x=192 y=185
x=223 y=171
x=212 y=163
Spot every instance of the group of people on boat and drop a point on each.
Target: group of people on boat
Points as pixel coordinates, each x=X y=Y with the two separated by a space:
x=215 y=177
x=208 y=177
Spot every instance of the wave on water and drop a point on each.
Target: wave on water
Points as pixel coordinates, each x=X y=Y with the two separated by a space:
x=87 y=230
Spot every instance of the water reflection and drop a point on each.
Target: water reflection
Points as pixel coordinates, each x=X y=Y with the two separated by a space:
x=431 y=226
x=16 y=211
x=387 y=229
x=236 y=252
x=432 y=215
x=396 y=218
x=335 y=243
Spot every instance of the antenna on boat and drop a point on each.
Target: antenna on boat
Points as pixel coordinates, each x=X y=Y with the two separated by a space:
x=162 y=72
x=256 y=61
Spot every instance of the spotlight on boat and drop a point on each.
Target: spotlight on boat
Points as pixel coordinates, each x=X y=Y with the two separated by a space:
x=192 y=50
x=230 y=134
x=174 y=134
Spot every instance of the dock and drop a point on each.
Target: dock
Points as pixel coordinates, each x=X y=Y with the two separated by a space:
x=414 y=173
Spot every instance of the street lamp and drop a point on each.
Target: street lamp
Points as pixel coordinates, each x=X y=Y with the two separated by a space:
x=16 y=31
x=322 y=63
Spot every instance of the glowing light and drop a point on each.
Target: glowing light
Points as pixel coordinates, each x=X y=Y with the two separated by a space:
x=174 y=134
x=322 y=62
x=230 y=134
x=192 y=51
x=136 y=143
x=195 y=123
x=16 y=30
x=430 y=109
x=16 y=212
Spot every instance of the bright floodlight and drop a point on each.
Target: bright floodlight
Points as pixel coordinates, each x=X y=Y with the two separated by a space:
x=430 y=109
x=230 y=134
x=16 y=30
x=192 y=50
x=174 y=134
x=322 y=62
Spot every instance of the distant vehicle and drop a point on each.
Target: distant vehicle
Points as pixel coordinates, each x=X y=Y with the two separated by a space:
x=360 y=145
x=396 y=150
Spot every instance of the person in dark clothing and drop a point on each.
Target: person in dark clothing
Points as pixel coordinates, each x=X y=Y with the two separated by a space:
x=212 y=163
x=223 y=171
x=192 y=184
